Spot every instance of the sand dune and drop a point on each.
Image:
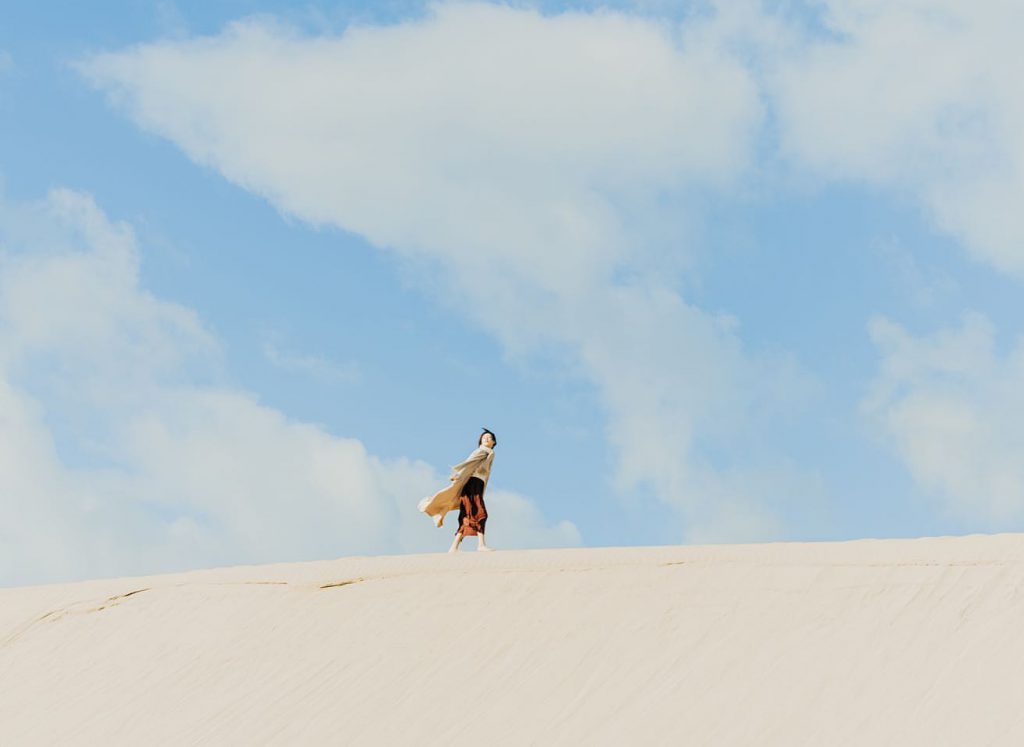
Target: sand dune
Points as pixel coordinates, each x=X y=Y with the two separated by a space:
x=903 y=642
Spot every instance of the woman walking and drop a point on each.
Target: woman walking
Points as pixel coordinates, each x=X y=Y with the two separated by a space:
x=466 y=492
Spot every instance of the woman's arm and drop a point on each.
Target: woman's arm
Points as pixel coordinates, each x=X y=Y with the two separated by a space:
x=472 y=461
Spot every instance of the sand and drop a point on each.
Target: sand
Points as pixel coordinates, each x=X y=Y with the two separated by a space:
x=902 y=642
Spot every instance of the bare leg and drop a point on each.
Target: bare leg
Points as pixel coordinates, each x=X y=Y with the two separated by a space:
x=482 y=546
x=455 y=543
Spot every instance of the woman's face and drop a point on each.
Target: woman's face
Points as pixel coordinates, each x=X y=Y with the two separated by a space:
x=487 y=440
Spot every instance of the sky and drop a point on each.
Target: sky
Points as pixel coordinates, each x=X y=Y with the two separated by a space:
x=712 y=272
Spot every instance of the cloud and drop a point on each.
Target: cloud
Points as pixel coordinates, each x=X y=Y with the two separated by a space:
x=536 y=162
x=124 y=450
x=919 y=283
x=923 y=100
x=170 y=19
x=519 y=511
x=311 y=365
x=951 y=406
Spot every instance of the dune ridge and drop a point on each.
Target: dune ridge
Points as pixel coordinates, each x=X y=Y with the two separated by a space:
x=862 y=643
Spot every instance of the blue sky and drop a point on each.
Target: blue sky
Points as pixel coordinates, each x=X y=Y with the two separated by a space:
x=712 y=273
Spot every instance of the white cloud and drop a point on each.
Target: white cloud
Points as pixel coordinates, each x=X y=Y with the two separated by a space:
x=951 y=407
x=481 y=133
x=922 y=98
x=519 y=511
x=916 y=281
x=170 y=19
x=123 y=451
x=312 y=365
x=514 y=151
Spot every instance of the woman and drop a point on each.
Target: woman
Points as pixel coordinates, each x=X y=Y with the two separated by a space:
x=469 y=480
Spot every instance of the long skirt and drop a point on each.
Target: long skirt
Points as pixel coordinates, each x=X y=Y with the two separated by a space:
x=472 y=511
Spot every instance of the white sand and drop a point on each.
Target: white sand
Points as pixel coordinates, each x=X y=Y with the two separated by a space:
x=902 y=642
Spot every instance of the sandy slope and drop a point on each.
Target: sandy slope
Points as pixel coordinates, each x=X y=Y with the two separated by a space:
x=872 y=642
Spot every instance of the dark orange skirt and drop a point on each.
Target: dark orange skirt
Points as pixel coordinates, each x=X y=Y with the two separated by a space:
x=472 y=511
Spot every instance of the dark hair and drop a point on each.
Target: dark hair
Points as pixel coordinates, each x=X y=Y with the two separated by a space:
x=481 y=440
